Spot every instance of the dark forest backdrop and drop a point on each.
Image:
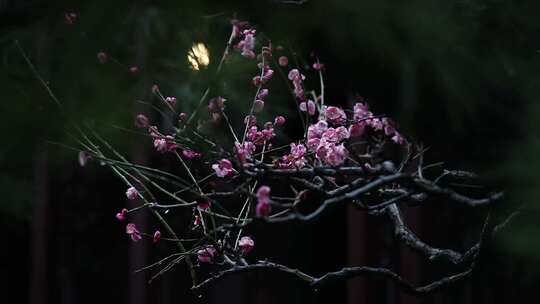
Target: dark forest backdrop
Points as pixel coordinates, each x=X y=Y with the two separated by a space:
x=463 y=77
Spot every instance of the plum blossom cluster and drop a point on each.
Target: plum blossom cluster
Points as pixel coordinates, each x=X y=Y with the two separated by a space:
x=256 y=175
x=363 y=118
x=325 y=144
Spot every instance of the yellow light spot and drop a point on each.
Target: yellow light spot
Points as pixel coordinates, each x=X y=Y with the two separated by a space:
x=198 y=57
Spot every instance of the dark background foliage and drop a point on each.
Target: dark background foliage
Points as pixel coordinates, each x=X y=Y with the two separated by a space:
x=460 y=76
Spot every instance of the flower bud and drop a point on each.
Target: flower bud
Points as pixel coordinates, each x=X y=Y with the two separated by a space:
x=279 y=120
x=246 y=244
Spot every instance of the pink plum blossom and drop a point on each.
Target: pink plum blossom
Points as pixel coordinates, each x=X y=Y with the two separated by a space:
x=295 y=159
x=262 y=94
x=165 y=144
x=308 y=106
x=336 y=155
x=296 y=77
x=160 y=144
x=325 y=142
x=267 y=75
x=298 y=151
x=262 y=136
x=223 y=168
x=263 y=194
x=191 y=154
x=361 y=111
x=247 y=44
x=132 y=193
x=244 y=151
x=133 y=232
x=335 y=135
x=317 y=130
x=335 y=115
x=157 y=236
x=246 y=244
x=206 y=254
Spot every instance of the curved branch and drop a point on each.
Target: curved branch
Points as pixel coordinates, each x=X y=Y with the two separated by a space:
x=343 y=274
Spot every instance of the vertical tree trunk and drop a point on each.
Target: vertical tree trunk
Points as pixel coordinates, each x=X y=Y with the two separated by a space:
x=40 y=224
x=39 y=256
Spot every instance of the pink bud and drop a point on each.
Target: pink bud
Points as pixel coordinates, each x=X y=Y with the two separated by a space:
x=133 y=232
x=197 y=221
x=191 y=154
x=356 y=130
x=157 y=236
x=70 y=17
x=182 y=116
x=171 y=100
x=262 y=94
x=204 y=205
x=132 y=193
x=279 y=120
x=246 y=244
x=318 y=66
x=160 y=144
x=263 y=192
x=267 y=75
x=206 y=254
x=121 y=216
x=83 y=158
x=250 y=120
x=102 y=57
x=141 y=121
x=258 y=106
x=283 y=61
x=398 y=139
x=155 y=89
x=134 y=69
x=216 y=104
x=308 y=106
x=257 y=81
x=263 y=209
